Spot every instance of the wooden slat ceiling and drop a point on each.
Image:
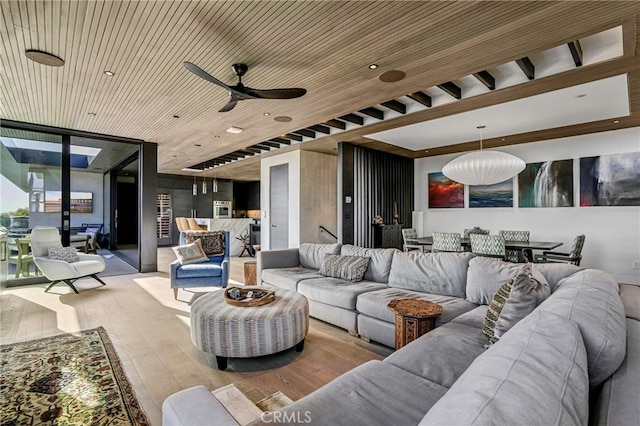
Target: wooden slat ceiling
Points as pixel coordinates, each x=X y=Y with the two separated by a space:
x=325 y=47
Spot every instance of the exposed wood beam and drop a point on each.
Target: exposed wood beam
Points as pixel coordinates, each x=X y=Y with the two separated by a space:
x=245 y=153
x=629 y=42
x=280 y=140
x=373 y=112
x=271 y=144
x=230 y=156
x=263 y=146
x=252 y=149
x=306 y=132
x=320 y=128
x=486 y=78
x=421 y=97
x=353 y=118
x=293 y=137
x=452 y=89
x=527 y=67
x=336 y=124
x=396 y=106
x=576 y=52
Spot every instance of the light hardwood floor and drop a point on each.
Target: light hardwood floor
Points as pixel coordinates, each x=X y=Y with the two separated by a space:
x=150 y=331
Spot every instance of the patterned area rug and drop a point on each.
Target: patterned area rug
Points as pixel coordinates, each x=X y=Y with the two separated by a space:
x=70 y=379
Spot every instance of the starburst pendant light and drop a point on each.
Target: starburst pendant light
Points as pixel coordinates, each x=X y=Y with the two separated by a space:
x=483 y=167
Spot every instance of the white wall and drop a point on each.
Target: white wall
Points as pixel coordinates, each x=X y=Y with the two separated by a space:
x=612 y=233
x=293 y=159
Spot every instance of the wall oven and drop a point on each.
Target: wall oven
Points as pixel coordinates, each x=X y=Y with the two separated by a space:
x=222 y=209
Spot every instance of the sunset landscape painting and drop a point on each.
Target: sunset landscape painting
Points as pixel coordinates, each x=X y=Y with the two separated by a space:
x=444 y=192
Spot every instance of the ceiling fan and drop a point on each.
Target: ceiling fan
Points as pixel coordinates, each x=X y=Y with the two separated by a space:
x=240 y=92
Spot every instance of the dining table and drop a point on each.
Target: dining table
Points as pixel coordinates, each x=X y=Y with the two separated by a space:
x=521 y=246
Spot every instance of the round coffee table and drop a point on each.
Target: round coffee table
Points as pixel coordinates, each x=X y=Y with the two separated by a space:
x=228 y=331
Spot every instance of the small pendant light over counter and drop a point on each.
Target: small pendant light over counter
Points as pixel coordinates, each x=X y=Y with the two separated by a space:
x=195 y=186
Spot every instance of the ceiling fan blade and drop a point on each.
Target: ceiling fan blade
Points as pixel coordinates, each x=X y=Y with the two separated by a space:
x=229 y=106
x=203 y=74
x=275 y=93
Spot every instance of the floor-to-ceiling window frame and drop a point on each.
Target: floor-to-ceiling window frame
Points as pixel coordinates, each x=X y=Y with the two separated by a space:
x=66 y=138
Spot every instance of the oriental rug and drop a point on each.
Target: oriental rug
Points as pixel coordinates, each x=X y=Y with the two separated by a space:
x=70 y=379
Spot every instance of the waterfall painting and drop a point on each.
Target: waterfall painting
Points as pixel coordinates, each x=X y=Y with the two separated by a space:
x=496 y=195
x=547 y=184
x=444 y=192
x=610 y=180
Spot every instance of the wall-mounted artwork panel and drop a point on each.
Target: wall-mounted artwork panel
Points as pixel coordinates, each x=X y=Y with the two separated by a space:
x=496 y=195
x=610 y=180
x=546 y=184
x=444 y=192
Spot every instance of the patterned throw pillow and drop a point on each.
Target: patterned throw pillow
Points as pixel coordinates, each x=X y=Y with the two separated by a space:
x=68 y=254
x=212 y=241
x=349 y=268
x=190 y=253
x=516 y=299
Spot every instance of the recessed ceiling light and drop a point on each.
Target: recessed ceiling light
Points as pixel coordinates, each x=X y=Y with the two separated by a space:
x=197 y=144
x=426 y=150
x=44 y=58
x=266 y=114
x=109 y=73
x=176 y=116
x=217 y=137
x=582 y=95
x=616 y=121
x=93 y=114
x=234 y=129
x=282 y=119
x=392 y=76
x=373 y=66
x=504 y=139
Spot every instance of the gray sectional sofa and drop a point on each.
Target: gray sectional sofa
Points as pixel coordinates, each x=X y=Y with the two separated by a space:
x=575 y=360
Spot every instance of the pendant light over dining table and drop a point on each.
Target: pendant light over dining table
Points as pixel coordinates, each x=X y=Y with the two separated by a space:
x=483 y=167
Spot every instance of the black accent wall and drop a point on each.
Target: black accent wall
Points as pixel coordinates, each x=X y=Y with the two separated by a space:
x=374 y=180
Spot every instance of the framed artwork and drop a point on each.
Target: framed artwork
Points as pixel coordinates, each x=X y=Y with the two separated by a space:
x=547 y=184
x=496 y=195
x=81 y=202
x=444 y=192
x=610 y=180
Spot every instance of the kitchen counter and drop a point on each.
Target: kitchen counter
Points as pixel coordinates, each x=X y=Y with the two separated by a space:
x=236 y=228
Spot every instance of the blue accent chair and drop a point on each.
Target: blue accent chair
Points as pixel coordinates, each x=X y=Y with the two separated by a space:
x=214 y=273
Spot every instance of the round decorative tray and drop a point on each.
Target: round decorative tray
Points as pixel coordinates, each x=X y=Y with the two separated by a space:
x=248 y=296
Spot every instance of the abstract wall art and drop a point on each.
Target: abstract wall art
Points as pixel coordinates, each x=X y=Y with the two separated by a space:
x=444 y=192
x=610 y=180
x=496 y=195
x=546 y=184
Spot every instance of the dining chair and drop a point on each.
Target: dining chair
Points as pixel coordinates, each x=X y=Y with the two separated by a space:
x=446 y=242
x=409 y=233
x=182 y=224
x=488 y=245
x=475 y=230
x=513 y=255
x=574 y=256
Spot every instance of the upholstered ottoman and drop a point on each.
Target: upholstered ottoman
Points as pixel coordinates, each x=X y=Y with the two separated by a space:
x=243 y=332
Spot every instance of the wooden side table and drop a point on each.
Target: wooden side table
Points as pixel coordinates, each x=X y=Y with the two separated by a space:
x=414 y=317
x=250 y=271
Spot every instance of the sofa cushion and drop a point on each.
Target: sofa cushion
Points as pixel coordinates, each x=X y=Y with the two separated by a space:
x=348 y=268
x=67 y=254
x=590 y=299
x=288 y=278
x=198 y=270
x=379 y=265
x=436 y=273
x=485 y=276
x=312 y=254
x=212 y=241
x=336 y=292
x=191 y=253
x=516 y=299
x=618 y=400
x=374 y=304
x=441 y=355
x=374 y=393
x=526 y=378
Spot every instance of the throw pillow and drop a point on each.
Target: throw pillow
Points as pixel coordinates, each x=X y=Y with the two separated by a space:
x=191 y=253
x=68 y=254
x=515 y=299
x=349 y=268
x=212 y=241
